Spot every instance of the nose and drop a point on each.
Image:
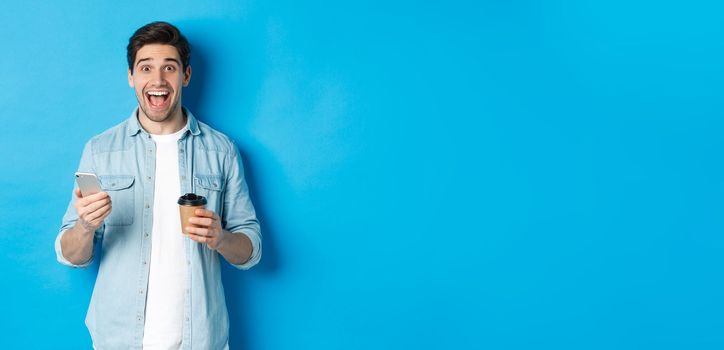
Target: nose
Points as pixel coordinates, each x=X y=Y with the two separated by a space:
x=157 y=78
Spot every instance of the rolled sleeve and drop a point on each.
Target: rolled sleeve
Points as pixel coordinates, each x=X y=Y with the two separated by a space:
x=255 y=250
x=239 y=215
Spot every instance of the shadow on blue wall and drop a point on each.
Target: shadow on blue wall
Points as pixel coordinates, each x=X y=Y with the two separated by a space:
x=236 y=283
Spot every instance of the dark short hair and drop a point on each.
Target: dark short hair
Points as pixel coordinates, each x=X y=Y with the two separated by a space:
x=158 y=33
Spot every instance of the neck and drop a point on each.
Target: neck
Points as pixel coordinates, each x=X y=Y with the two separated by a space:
x=175 y=122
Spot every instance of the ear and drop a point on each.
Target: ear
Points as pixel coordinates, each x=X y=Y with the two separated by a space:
x=187 y=76
x=130 y=78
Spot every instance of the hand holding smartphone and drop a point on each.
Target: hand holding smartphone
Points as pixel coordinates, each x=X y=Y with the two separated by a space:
x=91 y=211
x=87 y=183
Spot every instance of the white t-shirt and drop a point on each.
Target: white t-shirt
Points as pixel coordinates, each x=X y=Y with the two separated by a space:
x=163 y=328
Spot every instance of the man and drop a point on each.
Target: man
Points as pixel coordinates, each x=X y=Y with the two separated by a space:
x=158 y=288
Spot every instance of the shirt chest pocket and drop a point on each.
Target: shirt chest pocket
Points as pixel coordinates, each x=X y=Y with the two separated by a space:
x=121 y=190
x=211 y=187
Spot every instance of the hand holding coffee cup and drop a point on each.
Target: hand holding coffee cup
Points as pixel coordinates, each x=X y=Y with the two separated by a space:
x=201 y=225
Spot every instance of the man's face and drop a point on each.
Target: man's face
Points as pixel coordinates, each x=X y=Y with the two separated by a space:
x=157 y=78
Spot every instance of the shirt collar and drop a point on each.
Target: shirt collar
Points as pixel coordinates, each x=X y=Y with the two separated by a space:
x=134 y=127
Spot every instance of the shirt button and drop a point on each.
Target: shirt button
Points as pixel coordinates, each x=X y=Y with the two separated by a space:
x=140 y=291
x=147 y=206
x=149 y=178
x=144 y=263
x=146 y=235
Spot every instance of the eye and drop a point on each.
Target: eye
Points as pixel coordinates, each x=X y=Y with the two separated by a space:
x=145 y=69
x=169 y=68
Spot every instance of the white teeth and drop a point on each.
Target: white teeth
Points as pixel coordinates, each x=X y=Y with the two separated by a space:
x=158 y=93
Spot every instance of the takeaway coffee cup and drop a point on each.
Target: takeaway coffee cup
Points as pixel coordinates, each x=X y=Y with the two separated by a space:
x=188 y=203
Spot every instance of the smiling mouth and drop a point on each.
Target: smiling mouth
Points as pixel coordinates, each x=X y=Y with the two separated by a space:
x=158 y=99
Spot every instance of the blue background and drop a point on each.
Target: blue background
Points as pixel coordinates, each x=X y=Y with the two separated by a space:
x=458 y=175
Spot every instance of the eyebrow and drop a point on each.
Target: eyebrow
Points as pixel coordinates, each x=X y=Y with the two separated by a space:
x=167 y=59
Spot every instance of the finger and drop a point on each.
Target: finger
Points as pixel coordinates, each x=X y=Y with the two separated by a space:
x=97 y=196
x=205 y=213
x=200 y=231
x=85 y=201
x=88 y=213
x=99 y=213
x=197 y=238
x=201 y=221
x=93 y=206
x=104 y=215
x=77 y=194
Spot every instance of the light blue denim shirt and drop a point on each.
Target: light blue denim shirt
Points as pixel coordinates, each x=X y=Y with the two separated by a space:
x=124 y=159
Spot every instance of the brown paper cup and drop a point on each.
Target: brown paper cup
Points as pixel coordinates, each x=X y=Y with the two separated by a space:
x=188 y=204
x=187 y=212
